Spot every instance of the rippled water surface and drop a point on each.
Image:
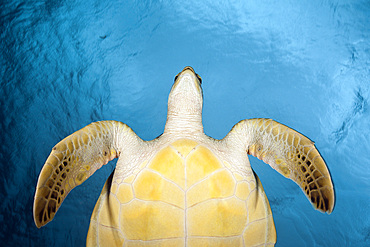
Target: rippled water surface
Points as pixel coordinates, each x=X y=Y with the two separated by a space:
x=64 y=64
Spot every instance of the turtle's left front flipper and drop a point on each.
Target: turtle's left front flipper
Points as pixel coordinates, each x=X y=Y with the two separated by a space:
x=73 y=160
x=291 y=154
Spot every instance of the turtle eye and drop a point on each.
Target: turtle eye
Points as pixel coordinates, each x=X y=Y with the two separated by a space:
x=199 y=78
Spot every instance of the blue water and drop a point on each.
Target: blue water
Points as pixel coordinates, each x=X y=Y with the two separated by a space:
x=306 y=64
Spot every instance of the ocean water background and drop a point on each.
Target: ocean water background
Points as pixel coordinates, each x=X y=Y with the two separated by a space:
x=65 y=64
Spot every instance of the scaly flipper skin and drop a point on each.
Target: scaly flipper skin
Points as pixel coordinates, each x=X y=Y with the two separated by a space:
x=291 y=154
x=72 y=161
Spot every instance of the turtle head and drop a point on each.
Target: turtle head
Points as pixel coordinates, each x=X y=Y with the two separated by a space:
x=194 y=78
x=185 y=101
x=186 y=93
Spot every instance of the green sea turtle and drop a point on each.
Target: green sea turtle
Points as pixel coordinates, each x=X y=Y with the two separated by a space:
x=183 y=188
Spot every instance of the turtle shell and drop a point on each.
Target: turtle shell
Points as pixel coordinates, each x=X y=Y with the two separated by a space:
x=183 y=195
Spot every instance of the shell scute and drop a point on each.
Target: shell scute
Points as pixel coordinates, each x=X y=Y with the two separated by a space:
x=170 y=165
x=227 y=217
x=200 y=163
x=218 y=185
x=150 y=186
x=141 y=220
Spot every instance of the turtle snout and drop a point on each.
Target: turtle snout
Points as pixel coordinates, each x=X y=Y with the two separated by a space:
x=193 y=71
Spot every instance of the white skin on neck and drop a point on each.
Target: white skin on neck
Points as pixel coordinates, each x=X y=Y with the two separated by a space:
x=185 y=102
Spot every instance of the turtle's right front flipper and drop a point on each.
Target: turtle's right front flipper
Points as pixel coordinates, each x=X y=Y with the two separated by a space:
x=291 y=154
x=73 y=160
